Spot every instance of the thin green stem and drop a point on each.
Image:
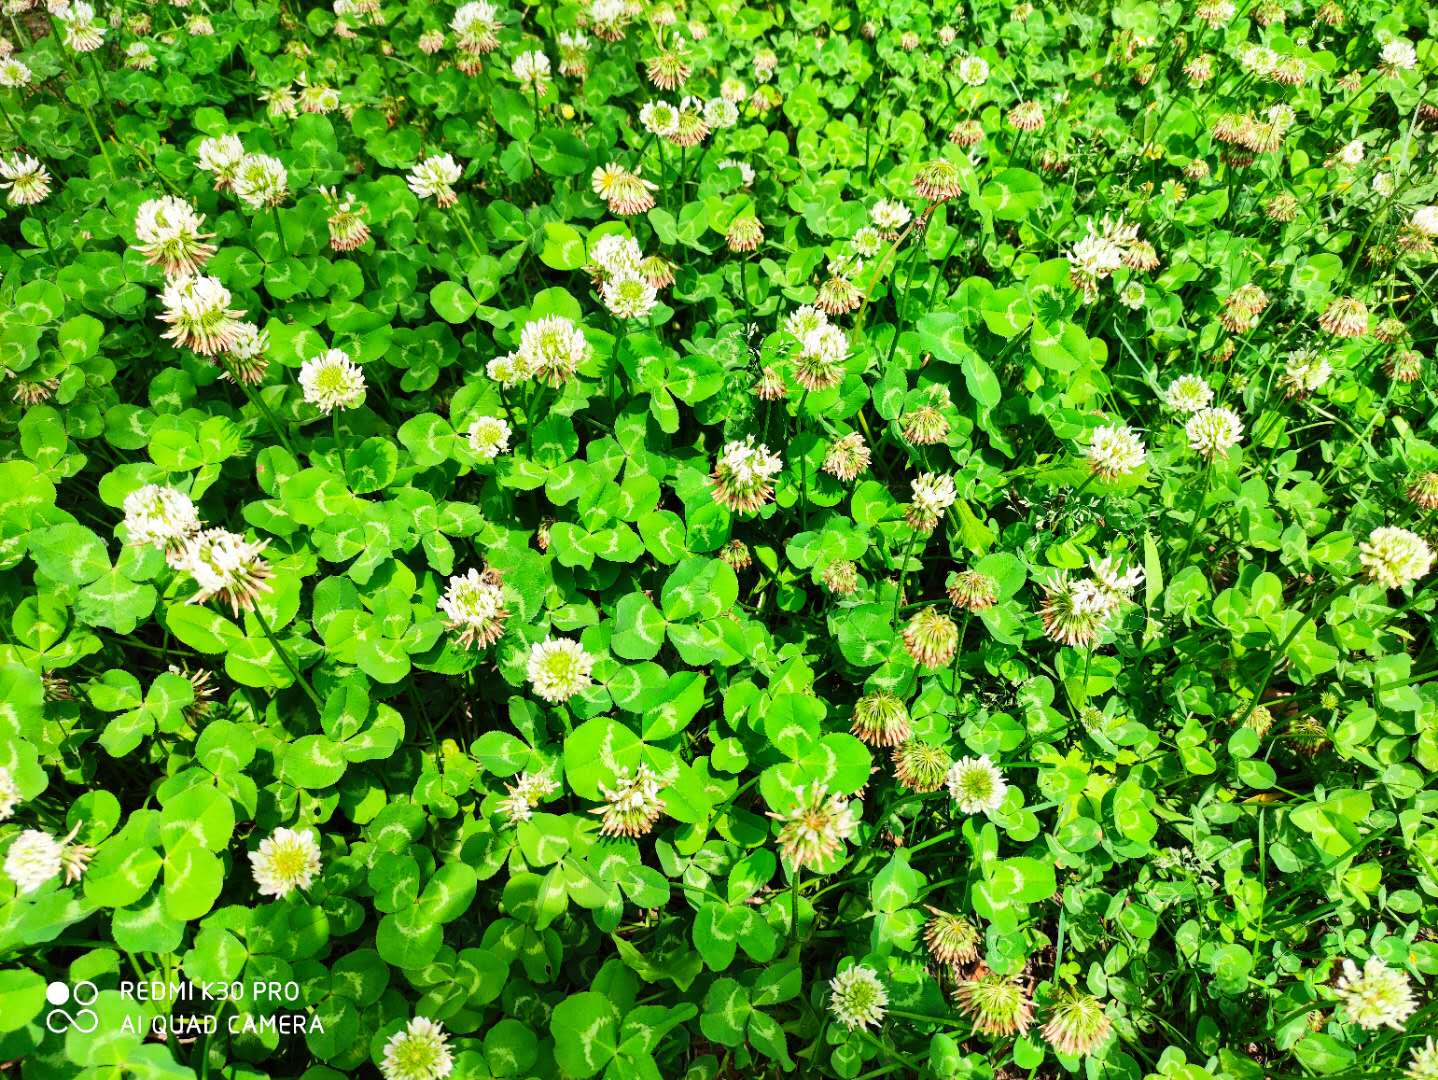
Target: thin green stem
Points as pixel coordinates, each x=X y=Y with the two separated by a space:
x=1197 y=515
x=339 y=446
x=803 y=465
x=259 y=403
x=794 y=912
x=285 y=656
x=463 y=218
x=903 y=575
x=279 y=230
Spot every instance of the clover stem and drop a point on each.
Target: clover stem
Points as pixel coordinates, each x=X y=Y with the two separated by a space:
x=463 y=218
x=259 y=403
x=45 y=228
x=95 y=130
x=339 y=446
x=903 y=575
x=1083 y=687
x=614 y=367
x=803 y=465
x=1279 y=652
x=898 y=299
x=1082 y=487
x=1197 y=514
x=959 y=651
x=943 y=269
x=100 y=88
x=279 y=229
x=89 y=116
x=10 y=123
x=1059 y=941
x=285 y=656
x=794 y=909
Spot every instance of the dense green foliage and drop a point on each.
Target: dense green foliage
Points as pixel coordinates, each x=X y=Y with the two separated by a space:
x=476 y=587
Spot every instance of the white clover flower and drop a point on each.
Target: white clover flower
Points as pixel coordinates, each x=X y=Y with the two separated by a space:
x=9 y=794
x=1423 y=1065
x=857 y=997
x=476 y=27
x=1305 y=371
x=866 y=242
x=848 y=457
x=933 y=494
x=226 y=565
x=155 y=514
x=803 y=321
x=632 y=805
x=629 y=296
x=34 y=858
x=617 y=254
x=1211 y=432
x=419 y=1052
x=82 y=31
x=1092 y=259
x=506 y=370
x=532 y=70
x=14 y=74
x=332 y=381
x=1188 y=393
x=489 y=436
x=27 y=180
x=246 y=354
x=659 y=118
x=1132 y=295
x=1352 y=153
x=1110 y=577
x=286 y=860
x=433 y=178
x=1399 y=54
x=1395 y=557
x=720 y=113
x=1282 y=115
x=1425 y=221
x=139 y=56
x=170 y=234
x=473 y=604
x=733 y=90
x=1377 y=995
x=816 y=827
x=318 y=99
x=890 y=215
x=553 y=347
x=828 y=341
x=198 y=313
x=973 y=70
x=743 y=477
x=221 y=155
x=820 y=363
x=522 y=796
x=261 y=181
x=1115 y=450
x=746 y=171
x=559 y=668
x=976 y=784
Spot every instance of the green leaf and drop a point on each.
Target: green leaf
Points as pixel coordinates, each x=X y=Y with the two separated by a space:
x=563 y=247
x=585 y=1028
